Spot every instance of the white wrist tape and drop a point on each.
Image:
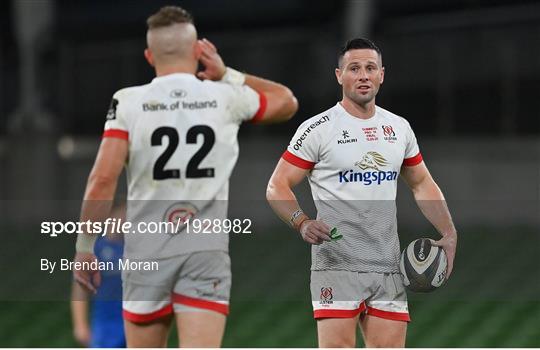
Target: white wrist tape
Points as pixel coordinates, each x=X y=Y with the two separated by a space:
x=233 y=77
x=85 y=243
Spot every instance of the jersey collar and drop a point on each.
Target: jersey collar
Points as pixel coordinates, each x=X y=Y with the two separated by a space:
x=348 y=115
x=174 y=76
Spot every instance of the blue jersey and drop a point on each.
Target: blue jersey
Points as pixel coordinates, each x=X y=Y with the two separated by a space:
x=106 y=321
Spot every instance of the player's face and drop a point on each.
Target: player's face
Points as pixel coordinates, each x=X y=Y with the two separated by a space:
x=361 y=74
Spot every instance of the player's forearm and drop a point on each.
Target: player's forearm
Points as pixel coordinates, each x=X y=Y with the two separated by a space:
x=431 y=202
x=96 y=207
x=264 y=85
x=100 y=187
x=79 y=313
x=284 y=203
x=282 y=103
x=98 y=198
x=79 y=306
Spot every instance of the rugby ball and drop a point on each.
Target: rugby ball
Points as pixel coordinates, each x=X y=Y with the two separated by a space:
x=423 y=266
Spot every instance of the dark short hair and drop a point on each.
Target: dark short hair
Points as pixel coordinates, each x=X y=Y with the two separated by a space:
x=169 y=15
x=357 y=43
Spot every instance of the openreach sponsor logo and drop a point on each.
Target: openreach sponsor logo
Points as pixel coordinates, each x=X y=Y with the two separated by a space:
x=300 y=140
x=371 y=160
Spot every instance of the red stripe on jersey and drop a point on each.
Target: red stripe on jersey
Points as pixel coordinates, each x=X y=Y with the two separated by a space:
x=295 y=160
x=263 y=102
x=338 y=313
x=389 y=315
x=143 y=318
x=417 y=159
x=116 y=133
x=201 y=304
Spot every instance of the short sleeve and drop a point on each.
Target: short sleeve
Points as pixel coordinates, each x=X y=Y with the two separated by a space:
x=116 y=121
x=412 y=151
x=303 y=150
x=246 y=104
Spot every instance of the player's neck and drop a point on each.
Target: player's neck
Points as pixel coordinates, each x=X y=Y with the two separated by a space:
x=364 y=111
x=175 y=68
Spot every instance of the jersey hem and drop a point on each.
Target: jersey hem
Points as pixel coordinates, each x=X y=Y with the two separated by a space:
x=155 y=257
x=356 y=270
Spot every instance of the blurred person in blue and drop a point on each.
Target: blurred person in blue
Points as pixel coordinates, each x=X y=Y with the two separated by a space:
x=97 y=319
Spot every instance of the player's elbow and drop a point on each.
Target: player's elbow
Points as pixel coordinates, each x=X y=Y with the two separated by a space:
x=273 y=189
x=278 y=189
x=290 y=104
x=100 y=186
x=270 y=191
x=427 y=189
x=282 y=105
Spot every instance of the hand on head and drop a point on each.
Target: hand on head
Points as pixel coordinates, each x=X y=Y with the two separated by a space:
x=214 y=68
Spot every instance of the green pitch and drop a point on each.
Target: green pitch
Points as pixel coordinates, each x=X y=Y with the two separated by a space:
x=492 y=300
x=454 y=324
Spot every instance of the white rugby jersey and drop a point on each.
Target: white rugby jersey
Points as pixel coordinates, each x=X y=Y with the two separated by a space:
x=182 y=135
x=355 y=164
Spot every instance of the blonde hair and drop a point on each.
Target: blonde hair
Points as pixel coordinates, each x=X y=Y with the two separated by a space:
x=167 y=16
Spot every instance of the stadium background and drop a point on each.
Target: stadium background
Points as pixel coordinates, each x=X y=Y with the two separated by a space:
x=465 y=73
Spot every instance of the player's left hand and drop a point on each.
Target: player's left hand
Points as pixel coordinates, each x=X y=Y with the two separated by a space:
x=214 y=68
x=88 y=279
x=448 y=243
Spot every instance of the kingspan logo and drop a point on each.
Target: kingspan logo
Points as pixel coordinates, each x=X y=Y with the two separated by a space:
x=370 y=161
x=300 y=140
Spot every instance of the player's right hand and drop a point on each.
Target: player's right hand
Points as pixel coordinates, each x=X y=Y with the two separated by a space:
x=88 y=279
x=315 y=231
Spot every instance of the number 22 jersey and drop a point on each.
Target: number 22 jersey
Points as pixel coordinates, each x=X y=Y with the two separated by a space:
x=182 y=135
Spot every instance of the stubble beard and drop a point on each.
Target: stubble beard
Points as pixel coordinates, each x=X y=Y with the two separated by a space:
x=361 y=100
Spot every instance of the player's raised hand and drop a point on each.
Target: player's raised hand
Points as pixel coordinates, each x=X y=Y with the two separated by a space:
x=214 y=68
x=448 y=243
x=88 y=279
x=315 y=231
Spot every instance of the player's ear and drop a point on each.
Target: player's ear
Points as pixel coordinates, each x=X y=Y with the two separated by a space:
x=149 y=57
x=382 y=75
x=197 y=50
x=338 y=76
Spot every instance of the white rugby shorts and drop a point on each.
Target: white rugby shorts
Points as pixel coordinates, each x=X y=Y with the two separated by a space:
x=199 y=281
x=346 y=294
